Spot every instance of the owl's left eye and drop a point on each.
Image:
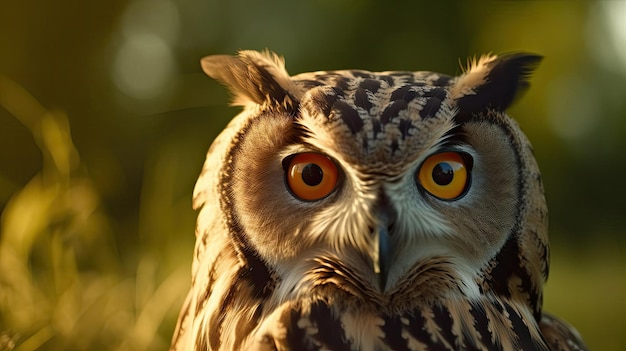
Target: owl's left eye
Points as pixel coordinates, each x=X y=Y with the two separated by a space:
x=445 y=175
x=311 y=176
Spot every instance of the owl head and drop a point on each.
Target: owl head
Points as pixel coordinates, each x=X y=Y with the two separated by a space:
x=394 y=177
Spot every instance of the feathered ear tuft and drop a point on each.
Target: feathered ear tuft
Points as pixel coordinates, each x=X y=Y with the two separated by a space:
x=254 y=78
x=493 y=82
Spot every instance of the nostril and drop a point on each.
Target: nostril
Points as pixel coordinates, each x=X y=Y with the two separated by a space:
x=389 y=222
x=390 y=229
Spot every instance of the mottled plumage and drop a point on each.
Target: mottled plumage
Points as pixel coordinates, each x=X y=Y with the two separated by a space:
x=353 y=210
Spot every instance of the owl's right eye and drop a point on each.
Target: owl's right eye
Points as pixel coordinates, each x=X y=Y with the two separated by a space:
x=311 y=176
x=445 y=175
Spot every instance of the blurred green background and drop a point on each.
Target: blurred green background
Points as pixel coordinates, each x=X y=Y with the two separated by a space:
x=105 y=119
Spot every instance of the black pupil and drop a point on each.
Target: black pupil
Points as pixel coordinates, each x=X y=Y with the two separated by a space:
x=443 y=173
x=312 y=174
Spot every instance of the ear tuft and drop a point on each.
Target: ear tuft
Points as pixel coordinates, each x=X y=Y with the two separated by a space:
x=493 y=82
x=254 y=78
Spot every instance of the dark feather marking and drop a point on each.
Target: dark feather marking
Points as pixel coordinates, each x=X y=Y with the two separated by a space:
x=394 y=146
x=342 y=83
x=392 y=110
x=438 y=93
x=235 y=231
x=349 y=116
x=443 y=80
x=417 y=327
x=481 y=324
x=324 y=102
x=339 y=91
x=370 y=84
x=410 y=95
x=406 y=93
x=216 y=322
x=520 y=329
x=296 y=336
x=393 y=334
x=509 y=265
x=258 y=275
x=387 y=79
x=330 y=331
x=545 y=256
x=329 y=269
x=400 y=93
x=444 y=322
x=455 y=136
x=268 y=88
x=405 y=125
x=431 y=108
x=376 y=127
x=497 y=304
x=362 y=100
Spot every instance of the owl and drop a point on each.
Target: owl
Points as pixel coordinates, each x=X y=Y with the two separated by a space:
x=357 y=210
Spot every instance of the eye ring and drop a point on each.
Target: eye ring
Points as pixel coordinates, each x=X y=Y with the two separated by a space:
x=310 y=176
x=445 y=175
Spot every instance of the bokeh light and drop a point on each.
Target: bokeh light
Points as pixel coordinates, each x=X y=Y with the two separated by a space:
x=144 y=66
x=606 y=34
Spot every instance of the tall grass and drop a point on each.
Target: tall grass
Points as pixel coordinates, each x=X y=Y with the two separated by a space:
x=62 y=284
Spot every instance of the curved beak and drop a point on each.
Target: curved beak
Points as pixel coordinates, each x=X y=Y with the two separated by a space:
x=382 y=250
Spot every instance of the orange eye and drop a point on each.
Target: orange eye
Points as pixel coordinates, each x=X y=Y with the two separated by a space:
x=311 y=176
x=444 y=175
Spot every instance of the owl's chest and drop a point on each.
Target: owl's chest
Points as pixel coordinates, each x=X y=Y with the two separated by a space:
x=446 y=325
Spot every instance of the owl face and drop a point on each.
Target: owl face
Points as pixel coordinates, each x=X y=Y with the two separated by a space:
x=395 y=173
